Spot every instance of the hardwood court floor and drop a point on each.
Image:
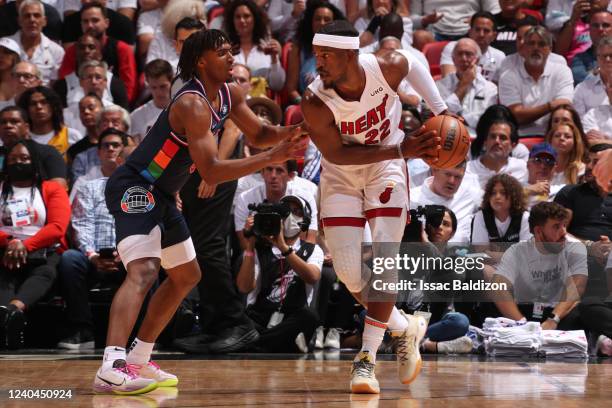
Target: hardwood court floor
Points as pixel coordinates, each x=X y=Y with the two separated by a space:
x=251 y=381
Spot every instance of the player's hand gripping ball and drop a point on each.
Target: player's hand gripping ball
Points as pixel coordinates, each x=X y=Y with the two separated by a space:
x=454 y=141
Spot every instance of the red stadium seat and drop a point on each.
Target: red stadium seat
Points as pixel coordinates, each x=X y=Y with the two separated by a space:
x=531 y=141
x=433 y=52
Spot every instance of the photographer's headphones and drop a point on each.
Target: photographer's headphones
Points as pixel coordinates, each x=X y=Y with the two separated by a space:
x=306 y=220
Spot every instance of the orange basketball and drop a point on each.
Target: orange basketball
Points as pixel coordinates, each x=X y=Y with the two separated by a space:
x=455 y=141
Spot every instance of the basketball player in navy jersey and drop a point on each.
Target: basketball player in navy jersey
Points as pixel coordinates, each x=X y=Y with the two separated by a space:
x=151 y=231
x=353 y=113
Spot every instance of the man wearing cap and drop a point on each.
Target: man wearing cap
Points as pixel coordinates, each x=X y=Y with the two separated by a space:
x=9 y=57
x=542 y=160
x=352 y=111
x=265 y=109
x=34 y=46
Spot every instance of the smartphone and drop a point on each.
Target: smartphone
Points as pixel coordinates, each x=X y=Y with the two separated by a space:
x=107 y=253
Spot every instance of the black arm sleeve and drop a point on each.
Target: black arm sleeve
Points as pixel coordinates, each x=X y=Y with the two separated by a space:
x=118 y=92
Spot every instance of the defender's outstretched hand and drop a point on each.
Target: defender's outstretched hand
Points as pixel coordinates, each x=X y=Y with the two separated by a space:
x=421 y=144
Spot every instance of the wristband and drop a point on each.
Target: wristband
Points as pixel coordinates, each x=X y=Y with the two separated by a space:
x=248 y=253
x=399 y=150
x=287 y=252
x=374 y=24
x=555 y=318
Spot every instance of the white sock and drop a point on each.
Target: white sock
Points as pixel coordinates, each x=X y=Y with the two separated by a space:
x=397 y=322
x=112 y=353
x=140 y=352
x=373 y=333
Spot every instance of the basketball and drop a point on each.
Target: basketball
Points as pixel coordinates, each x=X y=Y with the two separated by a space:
x=455 y=141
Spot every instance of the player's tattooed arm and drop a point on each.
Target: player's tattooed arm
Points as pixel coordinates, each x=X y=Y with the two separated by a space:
x=258 y=134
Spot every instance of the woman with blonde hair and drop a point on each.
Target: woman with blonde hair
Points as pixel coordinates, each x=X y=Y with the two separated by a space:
x=565 y=138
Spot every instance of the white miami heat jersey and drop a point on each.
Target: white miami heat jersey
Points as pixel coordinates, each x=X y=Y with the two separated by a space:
x=372 y=120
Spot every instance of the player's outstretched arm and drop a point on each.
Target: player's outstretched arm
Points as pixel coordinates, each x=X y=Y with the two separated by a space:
x=399 y=64
x=191 y=116
x=326 y=136
x=258 y=134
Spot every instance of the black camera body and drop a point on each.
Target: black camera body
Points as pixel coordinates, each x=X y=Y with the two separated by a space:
x=433 y=215
x=268 y=218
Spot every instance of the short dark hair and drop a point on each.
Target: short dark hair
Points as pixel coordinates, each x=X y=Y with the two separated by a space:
x=600 y=147
x=545 y=210
x=195 y=46
x=339 y=27
x=159 y=68
x=15 y=108
x=97 y=5
x=495 y=114
x=113 y=132
x=484 y=14
x=93 y=95
x=188 y=23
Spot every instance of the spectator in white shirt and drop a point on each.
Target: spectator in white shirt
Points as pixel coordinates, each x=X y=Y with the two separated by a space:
x=514 y=61
x=168 y=40
x=565 y=138
x=9 y=57
x=248 y=26
x=591 y=92
x=449 y=187
x=466 y=92
x=598 y=121
x=370 y=24
x=158 y=77
x=504 y=203
x=492 y=147
x=25 y=76
x=35 y=47
x=482 y=30
x=149 y=21
x=534 y=89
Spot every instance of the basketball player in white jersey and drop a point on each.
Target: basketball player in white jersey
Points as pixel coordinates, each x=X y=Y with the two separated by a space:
x=353 y=114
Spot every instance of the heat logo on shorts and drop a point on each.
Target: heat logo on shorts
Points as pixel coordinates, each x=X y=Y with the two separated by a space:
x=137 y=200
x=385 y=196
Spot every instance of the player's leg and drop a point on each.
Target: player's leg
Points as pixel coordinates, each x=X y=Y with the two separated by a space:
x=386 y=210
x=141 y=256
x=178 y=258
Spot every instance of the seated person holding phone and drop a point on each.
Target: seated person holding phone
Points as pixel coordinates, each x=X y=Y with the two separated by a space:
x=278 y=271
x=96 y=259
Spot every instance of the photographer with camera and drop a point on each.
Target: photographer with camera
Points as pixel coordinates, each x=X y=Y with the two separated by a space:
x=276 y=185
x=278 y=272
x=433 y=226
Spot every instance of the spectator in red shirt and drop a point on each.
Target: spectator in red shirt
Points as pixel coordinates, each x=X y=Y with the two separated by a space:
x=117 y=54
x=34 y=217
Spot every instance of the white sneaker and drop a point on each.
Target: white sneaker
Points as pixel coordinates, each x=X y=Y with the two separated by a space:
x=152 y=371
x=319 y=337
x=332 y=340
x=300 y=342
x=409 y=360
x=460 y=345
x=121 y=379
x=363 y=376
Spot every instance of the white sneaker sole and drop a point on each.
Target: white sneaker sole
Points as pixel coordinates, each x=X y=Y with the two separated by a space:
x=365 y=388
x=421 y=330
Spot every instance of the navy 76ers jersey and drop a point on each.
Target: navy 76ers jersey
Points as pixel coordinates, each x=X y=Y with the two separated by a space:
x=162 y=159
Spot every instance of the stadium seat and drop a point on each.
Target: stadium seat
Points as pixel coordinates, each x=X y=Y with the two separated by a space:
x=433 y=52
x=530 y=141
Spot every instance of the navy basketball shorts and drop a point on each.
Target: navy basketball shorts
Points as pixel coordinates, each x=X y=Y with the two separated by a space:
x=147 y=222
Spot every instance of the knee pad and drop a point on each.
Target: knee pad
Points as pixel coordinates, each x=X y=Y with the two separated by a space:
x=345 y=246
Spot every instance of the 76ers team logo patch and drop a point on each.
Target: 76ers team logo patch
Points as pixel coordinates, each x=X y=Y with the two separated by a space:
x=137 y=200
x=385 y=196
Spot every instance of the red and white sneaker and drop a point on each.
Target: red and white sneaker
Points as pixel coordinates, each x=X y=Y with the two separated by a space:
x=121 y=379
x=153 y=372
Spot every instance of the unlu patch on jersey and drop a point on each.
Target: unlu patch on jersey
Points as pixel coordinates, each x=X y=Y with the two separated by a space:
x=365 y=122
